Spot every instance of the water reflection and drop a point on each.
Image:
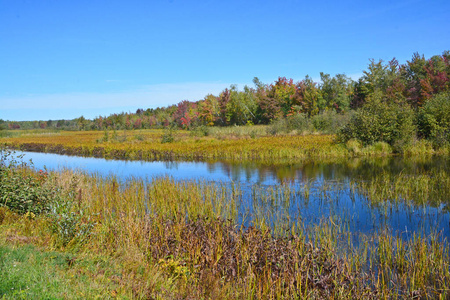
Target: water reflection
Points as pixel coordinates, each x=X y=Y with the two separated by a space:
x=247 y=172
x=318 y=189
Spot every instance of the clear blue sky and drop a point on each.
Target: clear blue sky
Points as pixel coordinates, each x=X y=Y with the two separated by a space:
x=63 y=59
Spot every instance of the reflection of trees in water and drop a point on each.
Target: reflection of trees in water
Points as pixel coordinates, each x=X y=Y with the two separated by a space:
x=355 y=168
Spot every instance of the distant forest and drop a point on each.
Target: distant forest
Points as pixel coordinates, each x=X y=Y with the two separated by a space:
x=412 y=84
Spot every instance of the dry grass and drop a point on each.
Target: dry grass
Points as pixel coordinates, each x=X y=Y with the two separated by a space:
x=146 y=145
x=182 y=240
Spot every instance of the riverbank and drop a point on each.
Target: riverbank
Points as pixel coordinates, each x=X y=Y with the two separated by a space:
x=234 y=146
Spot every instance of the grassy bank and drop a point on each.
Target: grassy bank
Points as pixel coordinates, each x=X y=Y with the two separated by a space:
x=239 y=144
x=182 y=240
x=178 y=145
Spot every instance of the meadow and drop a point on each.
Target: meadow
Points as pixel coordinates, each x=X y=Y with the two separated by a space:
x=164 y=239
x=238 y=144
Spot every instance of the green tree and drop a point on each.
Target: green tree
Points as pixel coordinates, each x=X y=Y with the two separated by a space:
x=379 y=81
x=380 y=121
x=434 y=119
x=241 y=108
x=336 y=91
x=81 y=123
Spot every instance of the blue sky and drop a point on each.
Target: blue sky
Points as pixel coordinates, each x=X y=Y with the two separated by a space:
x=63 y=59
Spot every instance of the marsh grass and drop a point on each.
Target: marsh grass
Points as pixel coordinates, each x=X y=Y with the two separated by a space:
x=234 y=132
x=185 y=239
x=424 y=188
x=254 y=143
x=236 y=144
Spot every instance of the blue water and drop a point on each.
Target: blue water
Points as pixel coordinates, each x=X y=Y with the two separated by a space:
x=352 y=208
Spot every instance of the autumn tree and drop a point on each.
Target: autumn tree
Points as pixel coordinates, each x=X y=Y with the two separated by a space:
x=208 y=110
x=185 y=114
x=308 y=97
x=277 y=101
x=223 y=100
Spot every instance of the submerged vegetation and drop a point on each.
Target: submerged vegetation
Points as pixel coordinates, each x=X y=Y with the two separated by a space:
x=193 y=239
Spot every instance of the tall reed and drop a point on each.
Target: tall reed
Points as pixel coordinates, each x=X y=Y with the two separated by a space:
x=184 y=239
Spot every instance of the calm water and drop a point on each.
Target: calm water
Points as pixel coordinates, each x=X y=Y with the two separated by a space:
x=338 y=199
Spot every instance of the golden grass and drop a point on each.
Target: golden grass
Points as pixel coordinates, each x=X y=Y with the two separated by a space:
x=146 y=145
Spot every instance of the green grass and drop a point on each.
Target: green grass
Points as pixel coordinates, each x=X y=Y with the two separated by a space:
x=27 y=272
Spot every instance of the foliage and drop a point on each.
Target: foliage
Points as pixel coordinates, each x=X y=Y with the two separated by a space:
x=412 y=83
x=241 y=107
x=20 y=190
x=424 y=78
x=434 y=119
x=168 y=136
x=208 y=110
x=297 y=108
x=379 y=121
x=336 y=92
x=327 y=122
x=330 y=121
x=69 y=223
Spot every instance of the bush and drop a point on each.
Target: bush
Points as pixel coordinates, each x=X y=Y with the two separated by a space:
x=167 y=137
x=199 y=131
x=329 y=121
x=434 y=120
x=21 y=189
x=69 y=224
x=379 y=121
x=297 y=122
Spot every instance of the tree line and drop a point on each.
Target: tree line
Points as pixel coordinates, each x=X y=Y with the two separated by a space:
x=396 y=87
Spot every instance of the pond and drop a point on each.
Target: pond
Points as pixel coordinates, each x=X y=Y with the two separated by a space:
x=351 y=190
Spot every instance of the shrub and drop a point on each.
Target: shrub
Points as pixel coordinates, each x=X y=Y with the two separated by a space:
x=199 y=131
x=354 y=146
x=297 y=122
x=379 y=121
x=68 y=223
x=167 y=137
x=434 y=120
x=329 y=121
x=21 y=189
